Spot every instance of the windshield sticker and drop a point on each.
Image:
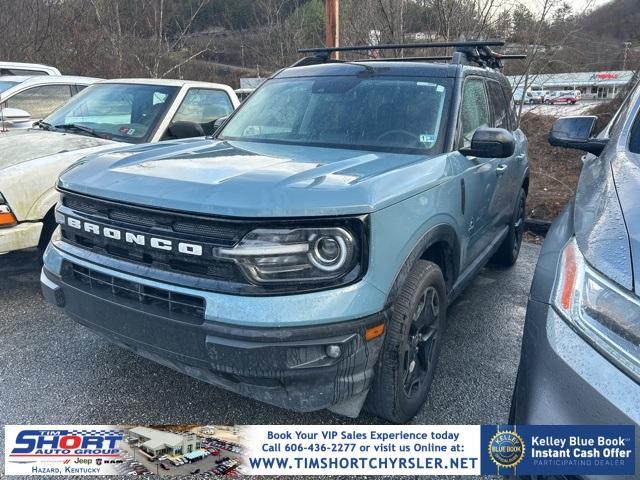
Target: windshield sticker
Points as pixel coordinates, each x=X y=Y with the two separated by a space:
x=427 y=138
x=127 y=130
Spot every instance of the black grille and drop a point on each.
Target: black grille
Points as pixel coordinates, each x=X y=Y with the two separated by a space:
x=217 y=232
x=141 y=297
x=208 y=233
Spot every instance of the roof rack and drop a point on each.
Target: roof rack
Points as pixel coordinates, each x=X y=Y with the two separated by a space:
x=472 y=51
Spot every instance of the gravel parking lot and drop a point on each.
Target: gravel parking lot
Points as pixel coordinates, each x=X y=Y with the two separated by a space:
x=53 y=371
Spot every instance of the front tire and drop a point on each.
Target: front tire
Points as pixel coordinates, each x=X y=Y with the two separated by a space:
x=509 y=250
x=412 y=346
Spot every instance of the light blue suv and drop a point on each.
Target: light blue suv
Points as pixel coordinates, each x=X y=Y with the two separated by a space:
x=306 y=254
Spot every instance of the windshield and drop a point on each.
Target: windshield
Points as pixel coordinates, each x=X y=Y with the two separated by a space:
x=4 y=85
x=118 y=111
x=369 y=113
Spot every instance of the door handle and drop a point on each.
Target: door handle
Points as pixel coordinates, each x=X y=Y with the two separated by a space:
x=500 y=169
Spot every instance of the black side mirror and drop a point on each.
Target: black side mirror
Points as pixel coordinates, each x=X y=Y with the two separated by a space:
x=183 y=129
x=577 y=132
x=491 y=143
x=218 y=123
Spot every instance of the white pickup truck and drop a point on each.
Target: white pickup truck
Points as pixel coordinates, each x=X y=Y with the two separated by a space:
x=105 y=114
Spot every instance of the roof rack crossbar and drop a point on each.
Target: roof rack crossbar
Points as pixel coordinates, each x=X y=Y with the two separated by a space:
x=427 y=59
x=469 y=51
x=395 y=46
x=404 y=59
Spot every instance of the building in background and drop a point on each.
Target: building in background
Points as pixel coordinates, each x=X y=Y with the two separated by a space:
x=593 y=85
x=158 y=442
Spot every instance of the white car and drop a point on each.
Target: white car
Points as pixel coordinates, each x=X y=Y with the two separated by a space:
x=19 y=68
x=103 y=115
x=24 y=100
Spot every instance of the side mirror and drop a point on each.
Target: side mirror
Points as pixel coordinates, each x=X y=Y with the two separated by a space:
x=491 y=143
x=218 y=123
x=14 y=115
x=577 y=132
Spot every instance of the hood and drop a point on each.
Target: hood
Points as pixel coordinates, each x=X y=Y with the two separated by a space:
x=599 y=220
x=250 y=179
x=19 y=146
x=626 y=174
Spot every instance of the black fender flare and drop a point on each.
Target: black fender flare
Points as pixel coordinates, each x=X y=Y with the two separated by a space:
x=442 y=232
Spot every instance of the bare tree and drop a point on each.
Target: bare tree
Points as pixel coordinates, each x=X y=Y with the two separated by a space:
x=148 y=32
x=536 y=39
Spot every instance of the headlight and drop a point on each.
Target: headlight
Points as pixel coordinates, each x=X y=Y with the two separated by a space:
x=298 y=255
x=7 y=218
x=600 y=310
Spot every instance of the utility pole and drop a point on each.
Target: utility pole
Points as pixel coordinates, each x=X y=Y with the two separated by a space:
x=627 y=45
x=332 y=25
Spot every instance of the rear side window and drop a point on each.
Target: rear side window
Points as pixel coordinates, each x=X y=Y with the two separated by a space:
x=634 y=137
x=474 y=112
x=20 y=71
x=204 y=106
x=511 y=106
x=499 y=106
x=40 y=101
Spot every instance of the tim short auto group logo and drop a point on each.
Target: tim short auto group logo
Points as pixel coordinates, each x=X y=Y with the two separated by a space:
x=35 y=447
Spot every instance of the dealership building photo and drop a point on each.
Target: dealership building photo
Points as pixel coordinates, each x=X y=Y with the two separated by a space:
x=158 y=442
x=593 y=85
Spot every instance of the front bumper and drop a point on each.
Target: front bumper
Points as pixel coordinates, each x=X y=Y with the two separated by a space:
x=562 y=379
x=285 y=366
x=19 y=237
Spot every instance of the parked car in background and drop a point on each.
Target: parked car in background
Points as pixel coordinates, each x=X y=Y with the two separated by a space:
x=24 y=100
x=101 y=117
x=518 y=95
x=565 y=97
x=530 y=96
x=321 y=233
x=580 y=361
x=533 y=97
x=27 y=69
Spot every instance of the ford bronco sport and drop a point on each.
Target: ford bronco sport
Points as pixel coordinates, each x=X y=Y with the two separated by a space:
x=306 y=253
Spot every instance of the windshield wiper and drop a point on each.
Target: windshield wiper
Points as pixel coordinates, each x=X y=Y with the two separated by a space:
x=44 y=125
x=80 y=128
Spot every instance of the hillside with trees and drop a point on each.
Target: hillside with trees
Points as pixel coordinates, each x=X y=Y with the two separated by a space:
x=227 y=39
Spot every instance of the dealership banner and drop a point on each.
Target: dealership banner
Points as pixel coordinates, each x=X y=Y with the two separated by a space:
x=320 y=450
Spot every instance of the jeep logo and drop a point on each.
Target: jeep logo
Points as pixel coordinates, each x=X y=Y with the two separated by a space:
x=134 y=238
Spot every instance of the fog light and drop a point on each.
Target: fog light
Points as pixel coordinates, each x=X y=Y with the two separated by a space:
x=333 y=351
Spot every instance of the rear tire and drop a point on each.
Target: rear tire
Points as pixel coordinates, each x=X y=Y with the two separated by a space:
x=508 y=252
x=412 y=346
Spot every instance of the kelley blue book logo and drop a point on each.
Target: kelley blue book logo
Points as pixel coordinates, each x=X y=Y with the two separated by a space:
x=558 y=449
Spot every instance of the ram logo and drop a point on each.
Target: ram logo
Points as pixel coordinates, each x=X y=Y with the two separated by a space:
x=134 y=238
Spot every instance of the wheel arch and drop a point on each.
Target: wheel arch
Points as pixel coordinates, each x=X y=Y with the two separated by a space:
x=439 y=245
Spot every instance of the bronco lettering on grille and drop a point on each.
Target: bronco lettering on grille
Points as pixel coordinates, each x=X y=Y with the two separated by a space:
x=134 y=237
